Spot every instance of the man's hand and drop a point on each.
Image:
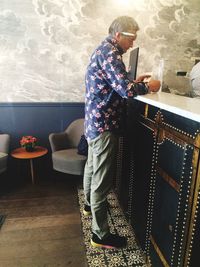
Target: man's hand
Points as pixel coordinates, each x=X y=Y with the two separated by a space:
x=154 y=85
x=143 y=78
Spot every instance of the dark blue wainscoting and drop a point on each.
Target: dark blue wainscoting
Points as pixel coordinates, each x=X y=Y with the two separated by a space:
x=37 y=119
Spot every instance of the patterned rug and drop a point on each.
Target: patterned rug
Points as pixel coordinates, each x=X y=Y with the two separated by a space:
x=132 y=255
x=2 y=219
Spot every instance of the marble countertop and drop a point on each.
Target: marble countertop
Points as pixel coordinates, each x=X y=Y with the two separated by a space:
x=181 y=105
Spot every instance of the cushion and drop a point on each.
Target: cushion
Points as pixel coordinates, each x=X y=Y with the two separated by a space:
x=69 y=161
x=83 y=146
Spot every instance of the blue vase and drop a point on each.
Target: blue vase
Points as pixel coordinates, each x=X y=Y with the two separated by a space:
x=29 y=148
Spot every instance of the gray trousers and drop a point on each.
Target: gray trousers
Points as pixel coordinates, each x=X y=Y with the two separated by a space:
x=98 y=178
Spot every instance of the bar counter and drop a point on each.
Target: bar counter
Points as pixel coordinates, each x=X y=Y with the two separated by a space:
x=159 y=185
x=180 y=105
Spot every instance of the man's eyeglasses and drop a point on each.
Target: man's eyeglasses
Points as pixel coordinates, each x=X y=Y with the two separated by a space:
x=129 y=34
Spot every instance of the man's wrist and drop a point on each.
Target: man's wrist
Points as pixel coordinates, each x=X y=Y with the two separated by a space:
x=147 y=87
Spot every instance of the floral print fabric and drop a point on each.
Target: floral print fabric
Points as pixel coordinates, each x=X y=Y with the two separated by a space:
x=107 y=87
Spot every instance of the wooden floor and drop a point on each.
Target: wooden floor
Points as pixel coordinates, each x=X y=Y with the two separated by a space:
x=42 y=226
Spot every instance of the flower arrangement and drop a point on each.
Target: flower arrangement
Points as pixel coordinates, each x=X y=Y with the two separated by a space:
x=28 y=142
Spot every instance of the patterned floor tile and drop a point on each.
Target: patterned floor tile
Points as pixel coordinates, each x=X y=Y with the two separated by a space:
x=132 y=255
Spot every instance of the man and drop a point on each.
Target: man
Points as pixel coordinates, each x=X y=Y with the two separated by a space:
x=107 y=86
x=195 y=80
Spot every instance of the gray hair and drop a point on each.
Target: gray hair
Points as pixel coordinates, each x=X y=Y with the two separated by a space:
x=123 y=24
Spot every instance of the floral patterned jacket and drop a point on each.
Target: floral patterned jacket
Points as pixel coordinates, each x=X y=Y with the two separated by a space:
x=107 y=86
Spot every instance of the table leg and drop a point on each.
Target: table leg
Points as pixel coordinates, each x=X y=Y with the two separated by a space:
x=32 y=171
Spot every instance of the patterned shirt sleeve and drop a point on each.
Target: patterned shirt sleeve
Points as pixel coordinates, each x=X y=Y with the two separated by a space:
x=116 y=76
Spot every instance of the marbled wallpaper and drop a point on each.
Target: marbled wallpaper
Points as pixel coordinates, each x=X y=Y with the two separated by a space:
x=45 y=45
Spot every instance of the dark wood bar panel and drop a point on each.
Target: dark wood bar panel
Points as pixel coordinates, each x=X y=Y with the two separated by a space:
x=161 y=196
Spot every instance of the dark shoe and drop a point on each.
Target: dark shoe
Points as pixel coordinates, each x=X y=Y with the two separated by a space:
x=110 y=241
x=87 y=210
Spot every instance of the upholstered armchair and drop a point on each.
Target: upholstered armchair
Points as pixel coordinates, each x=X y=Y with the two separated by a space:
x=4 y=150
x=64 y=149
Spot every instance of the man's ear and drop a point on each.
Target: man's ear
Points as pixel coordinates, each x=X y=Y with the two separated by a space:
x=117 y=36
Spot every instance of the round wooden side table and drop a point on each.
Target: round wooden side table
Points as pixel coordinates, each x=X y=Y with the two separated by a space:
x=21 y=153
